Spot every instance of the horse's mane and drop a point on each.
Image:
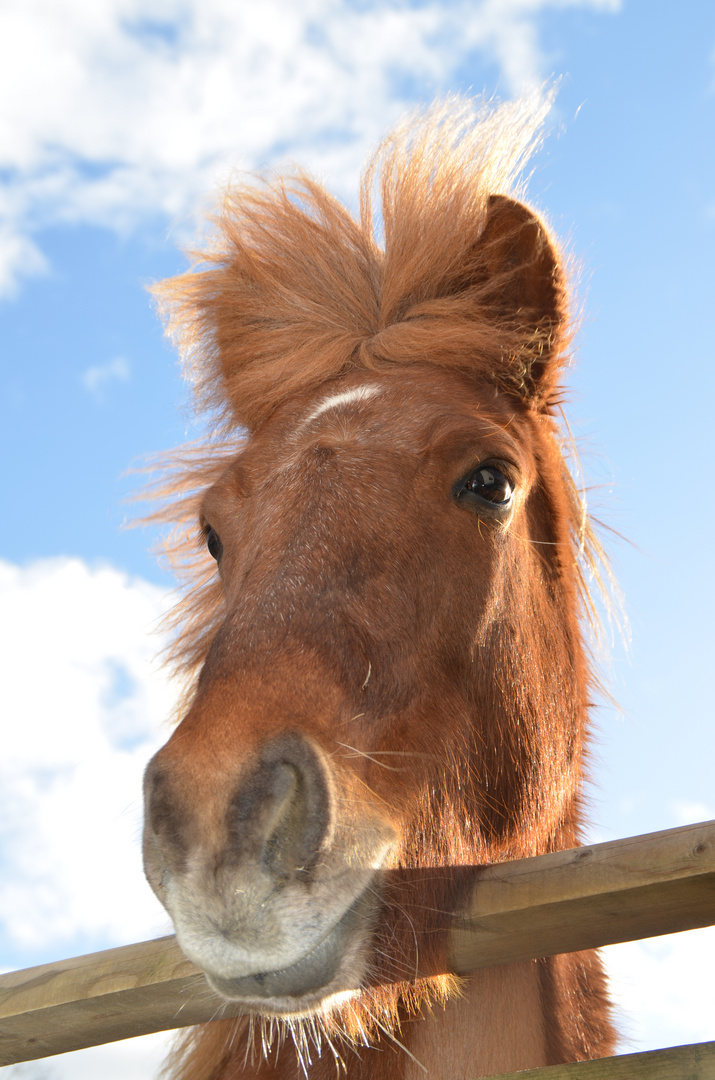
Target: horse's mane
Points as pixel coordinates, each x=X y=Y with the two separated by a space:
x=293 y=292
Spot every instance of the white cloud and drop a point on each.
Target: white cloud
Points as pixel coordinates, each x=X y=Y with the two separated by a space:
x=84 y=706
x=663 y=988
x=132 y=107
x=687 y=813
x=96 y=378
x=138 y=1059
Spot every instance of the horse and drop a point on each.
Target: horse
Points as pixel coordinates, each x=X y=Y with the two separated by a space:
x=384 y=636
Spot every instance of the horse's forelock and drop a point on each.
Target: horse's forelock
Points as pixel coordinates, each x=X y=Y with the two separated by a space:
x=294 y=291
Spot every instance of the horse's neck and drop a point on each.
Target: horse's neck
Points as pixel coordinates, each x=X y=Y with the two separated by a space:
x=497 y=1026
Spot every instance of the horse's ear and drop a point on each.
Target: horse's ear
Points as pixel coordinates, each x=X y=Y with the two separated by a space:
x=524 y=287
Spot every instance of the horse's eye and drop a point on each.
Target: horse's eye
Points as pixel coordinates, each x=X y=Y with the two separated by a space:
x=490 y=483
x=214 y=544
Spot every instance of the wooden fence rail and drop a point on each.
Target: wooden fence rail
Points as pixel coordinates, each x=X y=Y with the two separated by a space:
x=623 y=890
x=694 y=1062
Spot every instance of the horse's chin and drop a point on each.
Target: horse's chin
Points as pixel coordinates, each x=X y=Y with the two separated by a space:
x=331 y=970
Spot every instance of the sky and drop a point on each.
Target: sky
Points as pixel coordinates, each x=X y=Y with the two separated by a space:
x=119 y=122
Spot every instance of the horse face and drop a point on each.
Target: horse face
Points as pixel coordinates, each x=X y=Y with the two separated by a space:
x=372 y=543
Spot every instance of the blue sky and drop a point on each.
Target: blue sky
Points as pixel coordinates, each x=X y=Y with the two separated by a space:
x=118 y=122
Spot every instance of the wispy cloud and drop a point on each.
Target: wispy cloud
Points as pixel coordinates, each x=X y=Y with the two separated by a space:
x=20 y=258
x=133 y=107
x=95 y=379
x=685 y=813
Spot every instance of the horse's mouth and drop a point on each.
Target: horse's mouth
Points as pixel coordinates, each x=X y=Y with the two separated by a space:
x=327 y=969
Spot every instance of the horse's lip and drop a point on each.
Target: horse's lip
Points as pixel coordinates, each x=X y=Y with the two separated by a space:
x=302 y=983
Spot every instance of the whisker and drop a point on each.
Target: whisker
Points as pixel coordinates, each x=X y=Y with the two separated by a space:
x=397 y=1042
x=356 y=717
x=400 y=753
x=374 y=794
x=362 y=753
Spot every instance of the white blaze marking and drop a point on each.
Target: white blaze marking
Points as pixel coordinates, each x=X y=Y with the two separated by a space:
x=348 y=397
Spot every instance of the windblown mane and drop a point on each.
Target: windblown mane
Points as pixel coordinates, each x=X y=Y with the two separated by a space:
x=294 y=292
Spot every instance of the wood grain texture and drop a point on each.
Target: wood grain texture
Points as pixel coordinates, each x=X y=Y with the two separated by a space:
x=693 y=1062
x=566 y=901
x=569 y=900
x=102 y=997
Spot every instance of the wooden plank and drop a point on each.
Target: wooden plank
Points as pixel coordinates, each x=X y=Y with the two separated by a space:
x=694 y=1062
x=569 y=900
x=102 y=997
x=623 y=890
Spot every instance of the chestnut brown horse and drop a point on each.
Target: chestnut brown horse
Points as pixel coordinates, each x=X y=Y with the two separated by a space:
x=387 y=674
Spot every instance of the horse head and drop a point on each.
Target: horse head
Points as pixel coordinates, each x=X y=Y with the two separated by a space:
x=391 y=673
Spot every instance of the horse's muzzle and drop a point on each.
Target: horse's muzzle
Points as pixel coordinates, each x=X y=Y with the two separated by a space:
x=275 y=897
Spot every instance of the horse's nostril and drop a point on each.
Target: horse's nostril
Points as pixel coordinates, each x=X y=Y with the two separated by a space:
x=165 y=821
x=292 y=846
x=281 y=813
x=280 y=850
